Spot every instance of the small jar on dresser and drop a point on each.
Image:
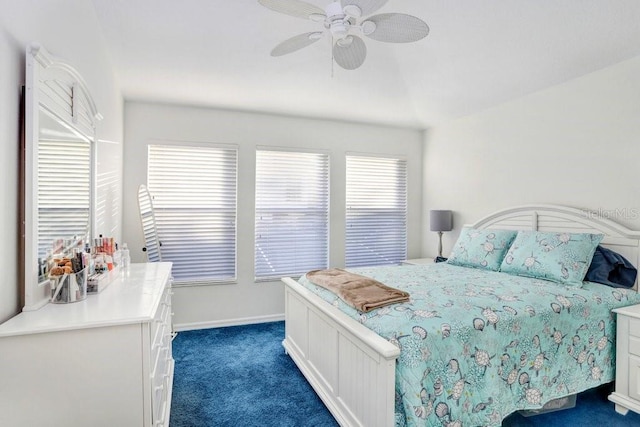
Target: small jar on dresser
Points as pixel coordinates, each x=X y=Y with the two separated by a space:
x=104 y=361
x=627 y=389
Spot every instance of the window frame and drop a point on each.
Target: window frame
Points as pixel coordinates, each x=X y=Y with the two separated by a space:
x=158 y=208
x=403 y=182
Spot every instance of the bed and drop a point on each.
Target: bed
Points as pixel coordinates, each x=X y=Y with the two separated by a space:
x=483 y=345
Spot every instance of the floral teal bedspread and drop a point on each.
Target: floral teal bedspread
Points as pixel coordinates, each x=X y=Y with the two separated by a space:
x=478 y=345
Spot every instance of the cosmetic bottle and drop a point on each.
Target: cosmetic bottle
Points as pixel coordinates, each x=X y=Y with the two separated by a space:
x=117 y=256
x=126 y=257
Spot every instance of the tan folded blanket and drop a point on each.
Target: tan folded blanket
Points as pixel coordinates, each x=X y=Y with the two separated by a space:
x=360 y=292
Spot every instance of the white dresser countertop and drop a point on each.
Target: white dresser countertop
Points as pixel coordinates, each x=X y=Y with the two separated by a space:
x=131 y=296
x=631 y=311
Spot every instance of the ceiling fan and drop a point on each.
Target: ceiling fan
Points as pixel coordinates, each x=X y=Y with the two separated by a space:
x=344 y=20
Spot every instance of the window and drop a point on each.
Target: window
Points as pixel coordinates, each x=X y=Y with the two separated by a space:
x=292 y=213
x=376 y=218
x=194 y=190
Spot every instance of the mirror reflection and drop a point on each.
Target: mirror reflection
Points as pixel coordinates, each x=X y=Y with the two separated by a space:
x=64 y=188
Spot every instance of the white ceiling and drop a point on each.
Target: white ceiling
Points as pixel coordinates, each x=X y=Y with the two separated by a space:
x=478 y=54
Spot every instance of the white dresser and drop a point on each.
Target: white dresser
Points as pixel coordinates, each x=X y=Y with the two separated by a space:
x=627 y=393
x=105 y=361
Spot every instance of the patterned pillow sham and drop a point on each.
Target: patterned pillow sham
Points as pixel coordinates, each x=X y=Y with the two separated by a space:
x=481 y=248
x=557 y=257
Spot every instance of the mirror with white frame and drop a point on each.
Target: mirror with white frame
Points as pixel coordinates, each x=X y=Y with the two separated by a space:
x=59 y=159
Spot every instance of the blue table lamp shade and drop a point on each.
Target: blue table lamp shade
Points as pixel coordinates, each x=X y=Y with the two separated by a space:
x=440 y=221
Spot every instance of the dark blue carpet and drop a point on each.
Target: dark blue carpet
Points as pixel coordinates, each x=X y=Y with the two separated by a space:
x=240 y=376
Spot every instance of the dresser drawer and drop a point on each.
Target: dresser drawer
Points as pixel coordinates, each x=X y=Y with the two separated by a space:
x=156 y=325
x=634 y=327
x=163 y=313
x=161 y=324
x=634 y=378
x=160 y=381
x=161 y=359
x=157 y=338
x=634 y=346
x=158 y=398
x=160 y=352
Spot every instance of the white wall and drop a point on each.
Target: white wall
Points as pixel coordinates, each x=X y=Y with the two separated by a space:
x=246 y=300
x=69 y=30
x=576 y=144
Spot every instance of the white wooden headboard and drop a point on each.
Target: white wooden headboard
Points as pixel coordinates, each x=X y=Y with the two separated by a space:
x=617 y=237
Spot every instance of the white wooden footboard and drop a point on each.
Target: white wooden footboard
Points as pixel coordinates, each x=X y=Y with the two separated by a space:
x=350 y=367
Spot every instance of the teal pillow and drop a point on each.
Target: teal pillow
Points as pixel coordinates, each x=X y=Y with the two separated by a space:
x=558 y=257
x=481 y=248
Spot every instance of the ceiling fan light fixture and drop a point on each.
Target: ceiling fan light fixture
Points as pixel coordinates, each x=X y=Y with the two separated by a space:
x=344 y=42
x=368 y=27
x=339 y=28
x=352 y=10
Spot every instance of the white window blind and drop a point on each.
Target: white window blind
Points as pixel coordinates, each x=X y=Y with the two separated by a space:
x=292 y=213
x=194 y=190
x=64 y=192
x=376 y=218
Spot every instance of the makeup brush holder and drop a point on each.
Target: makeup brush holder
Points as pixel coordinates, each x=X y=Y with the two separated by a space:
x=69 y=287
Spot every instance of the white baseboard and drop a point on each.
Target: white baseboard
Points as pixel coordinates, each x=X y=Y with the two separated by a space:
x=178 y=327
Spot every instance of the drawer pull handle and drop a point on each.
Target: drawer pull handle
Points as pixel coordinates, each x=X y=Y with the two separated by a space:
x=159 y=388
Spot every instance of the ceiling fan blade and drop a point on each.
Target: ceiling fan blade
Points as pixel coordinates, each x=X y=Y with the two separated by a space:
x=350 y=56
x=297 y=8
x=296 y=43
x=366 y=6
x=396 y=28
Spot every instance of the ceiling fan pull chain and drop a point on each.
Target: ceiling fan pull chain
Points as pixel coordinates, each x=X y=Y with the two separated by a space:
x=332 y=58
